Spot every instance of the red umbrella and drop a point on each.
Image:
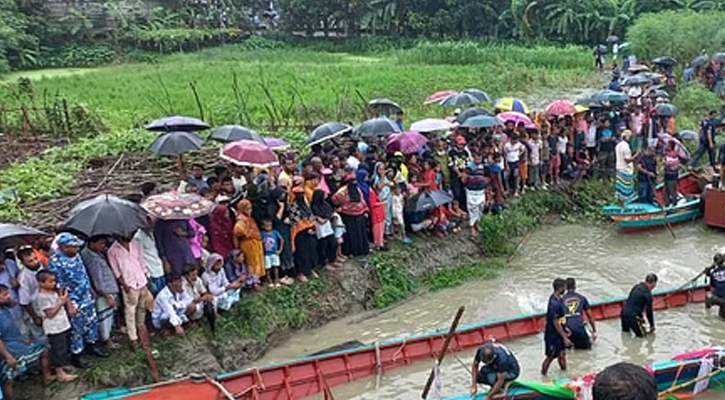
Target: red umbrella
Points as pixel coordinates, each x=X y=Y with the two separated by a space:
x=178 y=206
x=407 y=142
x=438 y=96
x=248 y=153
x=560 y=108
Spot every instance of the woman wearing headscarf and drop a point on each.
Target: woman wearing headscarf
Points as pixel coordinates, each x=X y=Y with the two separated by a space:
x=362 y=183
x=236 y=270
x=312 y=181
x=382 y=186
x=326 y=242
x=248 y=239
x=304 y=236
x=353 y=210
x=221 y=229
x=172 y=242
x=279 y=214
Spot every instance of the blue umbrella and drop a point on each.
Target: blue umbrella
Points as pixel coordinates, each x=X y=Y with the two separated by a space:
x=460 y=99
x=472 y=112
x=429 y=200
x=481 y=121
x=611 y=96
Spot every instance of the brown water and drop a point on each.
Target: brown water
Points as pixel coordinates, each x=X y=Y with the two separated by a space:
x=605 y=262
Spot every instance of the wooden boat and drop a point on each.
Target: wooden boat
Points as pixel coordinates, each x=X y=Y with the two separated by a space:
x=639 y=216
x=714 y=208
x=295 y=379
x=681 y=370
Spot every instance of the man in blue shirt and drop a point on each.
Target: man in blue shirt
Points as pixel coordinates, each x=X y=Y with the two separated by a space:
x=577 y=305
x=707 y=140
x=716 y=276
x=555 y=338
x=500 y=367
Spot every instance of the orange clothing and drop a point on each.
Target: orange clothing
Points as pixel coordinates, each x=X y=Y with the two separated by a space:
x=248 y=240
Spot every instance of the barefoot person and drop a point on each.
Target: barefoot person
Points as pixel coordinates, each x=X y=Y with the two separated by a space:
x=500 y=368
x=639 y=306
x=624 y=184
x=555 y=338
x=577 y=305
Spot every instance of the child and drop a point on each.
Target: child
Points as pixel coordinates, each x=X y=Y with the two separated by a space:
x=534 y=160
x=413 y=185
x=672 y=168
x=273 y=245
x=554 y=158
x=338 y=227
x=497 y=182
x=56 y=325
x=398 y=202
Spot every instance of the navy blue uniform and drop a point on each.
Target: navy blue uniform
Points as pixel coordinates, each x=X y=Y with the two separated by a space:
x=505 y=362
x=576 y=305
x=638 y=302
x=555 y=313
x=716 y=276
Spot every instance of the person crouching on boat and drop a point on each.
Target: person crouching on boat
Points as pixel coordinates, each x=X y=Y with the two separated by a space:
x=716 y=276
x=500 y=368
x=639 y=303
x=576 y=305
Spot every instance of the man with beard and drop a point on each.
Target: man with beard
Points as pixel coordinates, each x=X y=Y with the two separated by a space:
x=28 y=291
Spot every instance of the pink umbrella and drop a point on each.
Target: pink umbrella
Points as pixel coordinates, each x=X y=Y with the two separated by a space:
x=438 y=96
x=516 y=117
x=276 y=144
x=407 y=142
x=560 y=108
x=248 y=153
x=681 y=150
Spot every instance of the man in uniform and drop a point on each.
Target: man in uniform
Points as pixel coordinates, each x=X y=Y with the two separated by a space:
x=716 y=276
x=638 y=305
x=555 y=339
x=576 y=305
x=500 y=367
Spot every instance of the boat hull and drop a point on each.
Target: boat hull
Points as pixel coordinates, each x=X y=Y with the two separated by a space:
x=715 y=208
x=311 y=375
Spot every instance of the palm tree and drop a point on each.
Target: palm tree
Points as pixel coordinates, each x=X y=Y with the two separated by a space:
x=566 y=18
x=517 y=18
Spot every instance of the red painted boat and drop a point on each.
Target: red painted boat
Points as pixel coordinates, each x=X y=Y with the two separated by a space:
x=311 y=375
x=715 y=208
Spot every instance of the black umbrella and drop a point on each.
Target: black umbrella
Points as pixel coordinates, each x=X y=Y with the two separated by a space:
x=665 y=110
x=610 y=95
x=479 y=94
x=589 y=103
x=106 y=215
x=429 y=200
x=326 y=132
x=176 y=143
x=459 y=99
x=719 y=57
x=472 y=112
x=385 y=105
x=375 y=127
x=12 y=235
x=636 y=80
x=612 y=39
x=482 y=121
x=233 y=133
x=177 y=123
x=700 y=60
x=665 y=60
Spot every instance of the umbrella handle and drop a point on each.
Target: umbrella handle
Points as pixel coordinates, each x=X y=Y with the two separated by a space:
x=181 y=166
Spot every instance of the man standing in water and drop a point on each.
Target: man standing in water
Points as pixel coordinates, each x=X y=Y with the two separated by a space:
x=555 y=339
x=576 y=305
x=716 y=276
x=500 y=368
x=638 y=305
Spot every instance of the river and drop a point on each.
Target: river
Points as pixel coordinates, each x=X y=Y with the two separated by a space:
x=605 y=262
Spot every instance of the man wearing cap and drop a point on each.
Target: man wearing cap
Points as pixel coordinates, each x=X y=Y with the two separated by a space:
x=500 y=368
x=71 y=273
x=716 y=276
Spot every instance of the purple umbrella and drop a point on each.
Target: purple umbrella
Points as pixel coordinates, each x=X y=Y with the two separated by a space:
x=407 y=142
x=276 y=144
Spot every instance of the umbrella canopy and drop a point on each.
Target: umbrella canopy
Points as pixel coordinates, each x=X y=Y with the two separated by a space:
x=636 y=80
x=658 y=93
x=602 y=48
x=384 y=104
x=177 y=123
x=437 y=97
x=479 y=94
x=516 y=117
x=12 y=235
x=276 y=144
x=560 y=108
x=578 y=108
x=719 y=57
x=681 y=150
x=375 y=127
x=429 y=200
x=700 y=60
x=327 y=132
x=665 y=60
x=232 y=133
x=459 y=99
x=665 y=110
x=248 y=153
x=482 y=121
x=638 y=68
x=688 y=135
x=612 y=39
x=176 y=143
x=589 y=103
x=106 y=215
x=511 y=104
x=610 y=95
x=407 y=142
x=431 y=125
x=472 y=112
x=178 y=206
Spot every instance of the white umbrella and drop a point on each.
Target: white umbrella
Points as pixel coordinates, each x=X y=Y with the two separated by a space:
x=431 y=125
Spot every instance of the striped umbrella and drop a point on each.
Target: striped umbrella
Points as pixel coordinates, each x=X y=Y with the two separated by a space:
x=511 y=104
x=437 y=97
x=560 y=108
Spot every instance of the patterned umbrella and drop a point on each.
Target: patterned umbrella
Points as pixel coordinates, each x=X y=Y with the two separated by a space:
x=431 y=125
x=232 y=133
x=560 y=108
x=276 y=144
x=177 y=123
x=12 y=235
x=437 y=97
x=459 y=99
x=511 y=104
x=176 y=143
x=479 y=94
x=516 y=117
x=178 y=206
x=248 y=153
x=482 y=121
x=407 y=142
x=375 y=127
x=472 y=112
x=327 y=132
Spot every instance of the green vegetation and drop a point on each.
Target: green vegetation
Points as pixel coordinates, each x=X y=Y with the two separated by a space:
x=395 y=283
x=455 y=276
x=694 y=101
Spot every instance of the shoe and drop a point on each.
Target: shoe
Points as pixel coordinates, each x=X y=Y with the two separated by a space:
x=77 y=361
x=97 y=351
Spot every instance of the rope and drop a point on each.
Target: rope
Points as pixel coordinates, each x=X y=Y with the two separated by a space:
x=400 y=349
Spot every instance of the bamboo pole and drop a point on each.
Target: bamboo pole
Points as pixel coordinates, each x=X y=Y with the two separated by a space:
x=690 y=382
x=444 y=349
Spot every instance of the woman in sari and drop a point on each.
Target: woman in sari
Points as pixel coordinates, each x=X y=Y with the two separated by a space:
x=304 y=237
x=353 y=210
x=326 y=241
x=220 y=231
x=248 y=239
x=382 y=185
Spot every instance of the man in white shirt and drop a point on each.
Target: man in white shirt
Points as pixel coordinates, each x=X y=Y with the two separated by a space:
x=28 y=291
x=513 y=149
x=173 y=306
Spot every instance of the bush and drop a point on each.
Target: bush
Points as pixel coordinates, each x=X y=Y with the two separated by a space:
x=680 y=34
x=182 y=39
x=694 y=101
